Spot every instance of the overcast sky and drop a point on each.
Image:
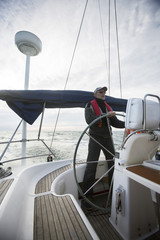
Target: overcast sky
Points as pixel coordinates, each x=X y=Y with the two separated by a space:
x=56 y=23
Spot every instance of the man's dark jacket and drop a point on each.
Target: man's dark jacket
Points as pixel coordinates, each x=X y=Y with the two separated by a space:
x=105 y=129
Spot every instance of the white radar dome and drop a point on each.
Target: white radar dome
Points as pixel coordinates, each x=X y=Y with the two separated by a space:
x=28 y=43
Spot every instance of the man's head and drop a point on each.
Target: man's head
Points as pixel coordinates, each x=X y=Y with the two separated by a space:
x=100 y=92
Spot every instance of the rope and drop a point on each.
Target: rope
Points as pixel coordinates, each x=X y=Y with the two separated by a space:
x=119 y=65
x=74 y=51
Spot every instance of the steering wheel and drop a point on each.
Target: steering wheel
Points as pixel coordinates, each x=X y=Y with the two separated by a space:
x=106 y=209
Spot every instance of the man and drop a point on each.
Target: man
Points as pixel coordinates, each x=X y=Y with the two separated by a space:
x=99 y=132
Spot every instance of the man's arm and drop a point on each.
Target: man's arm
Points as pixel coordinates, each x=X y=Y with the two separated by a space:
x=115 y=122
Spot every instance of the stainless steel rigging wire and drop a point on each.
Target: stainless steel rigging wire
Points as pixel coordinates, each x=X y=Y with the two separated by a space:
x=109 y=43
x=119 y=65
x=74 y=51
x=104 y=47
x=75 y=47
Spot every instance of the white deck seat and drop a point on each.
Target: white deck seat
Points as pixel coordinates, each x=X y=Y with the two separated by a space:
x=141 y=146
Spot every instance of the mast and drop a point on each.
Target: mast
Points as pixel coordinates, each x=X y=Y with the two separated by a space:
x=30 y=45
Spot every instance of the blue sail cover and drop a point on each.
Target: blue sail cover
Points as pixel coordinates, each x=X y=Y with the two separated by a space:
x=28 y=104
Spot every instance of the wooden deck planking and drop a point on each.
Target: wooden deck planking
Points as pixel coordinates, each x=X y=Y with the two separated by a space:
x=56 y=220
x=156 y=236
x=66 y=216
x=146 y=172
x=99 y=220
x=57 y=217
x=101 y=224
x=44 y=184
x=76 y=216
x=4 y=187
x=60 y=219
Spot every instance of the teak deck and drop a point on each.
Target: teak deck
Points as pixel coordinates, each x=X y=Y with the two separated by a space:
x=146 y=172
x=56 y=217
x=44 y=184
x=4 y=187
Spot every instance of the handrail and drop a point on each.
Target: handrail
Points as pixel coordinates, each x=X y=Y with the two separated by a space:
x=18 y=141
x=25 y=140
x=10 y=141
x=21 y=158
x=132 y=133
x=140 y=131
x=40 y=126
x=16 y=159
x=47 y=147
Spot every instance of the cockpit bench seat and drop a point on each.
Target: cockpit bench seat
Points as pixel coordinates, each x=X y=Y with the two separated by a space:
x=56 y=217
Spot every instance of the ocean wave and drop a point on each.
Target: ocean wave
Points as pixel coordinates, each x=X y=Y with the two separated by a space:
x=63 y=146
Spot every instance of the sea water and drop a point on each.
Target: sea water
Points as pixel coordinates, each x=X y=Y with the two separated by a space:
x=62 y=144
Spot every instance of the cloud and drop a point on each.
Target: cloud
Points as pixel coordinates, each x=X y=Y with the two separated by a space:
x=57 y=23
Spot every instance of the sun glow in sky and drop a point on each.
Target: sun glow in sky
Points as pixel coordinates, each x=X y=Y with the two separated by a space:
x=56 y=23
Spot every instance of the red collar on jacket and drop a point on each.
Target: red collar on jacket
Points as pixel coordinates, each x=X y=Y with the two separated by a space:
x=97 y=108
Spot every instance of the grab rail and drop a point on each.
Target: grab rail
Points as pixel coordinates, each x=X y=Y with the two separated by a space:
x=10 y=141
x=26 y=157
x=21 y=158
